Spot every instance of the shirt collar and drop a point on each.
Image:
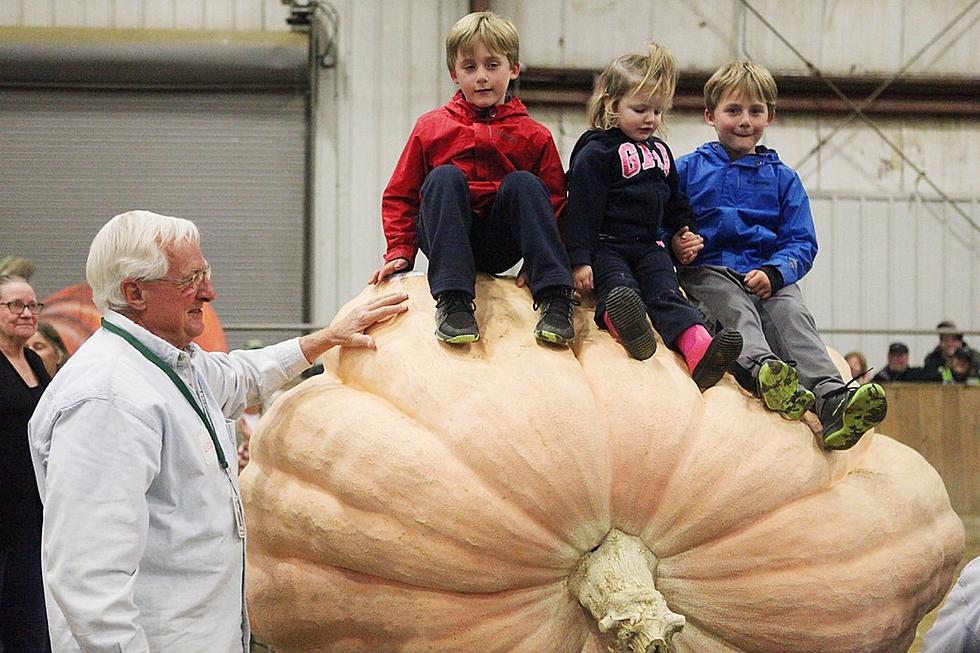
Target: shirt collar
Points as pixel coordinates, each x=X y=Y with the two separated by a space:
x=168 y=353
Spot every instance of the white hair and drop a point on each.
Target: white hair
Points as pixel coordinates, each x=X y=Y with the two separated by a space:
x=131 y=246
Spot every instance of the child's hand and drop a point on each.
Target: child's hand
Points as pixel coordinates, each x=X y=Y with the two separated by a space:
x=521 y=279
x=582 y=274
x=758 y=284
x=387 y=270
x=686 y=245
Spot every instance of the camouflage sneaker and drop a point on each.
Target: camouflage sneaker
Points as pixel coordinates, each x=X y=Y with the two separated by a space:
x=846 y=419
x=626 y=318
x=780 y=389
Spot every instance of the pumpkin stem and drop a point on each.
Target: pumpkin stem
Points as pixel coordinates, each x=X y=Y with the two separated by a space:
x=615 y=584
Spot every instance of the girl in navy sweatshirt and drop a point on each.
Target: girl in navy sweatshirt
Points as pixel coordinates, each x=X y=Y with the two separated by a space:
x=622 y=193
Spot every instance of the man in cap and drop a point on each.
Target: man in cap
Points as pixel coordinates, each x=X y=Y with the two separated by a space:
x=898 y=367
x=950 y=340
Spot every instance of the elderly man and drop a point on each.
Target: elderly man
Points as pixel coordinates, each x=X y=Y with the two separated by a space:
x=144 y=536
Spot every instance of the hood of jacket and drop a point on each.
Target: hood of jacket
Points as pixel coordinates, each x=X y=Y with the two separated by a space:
x=611 y=137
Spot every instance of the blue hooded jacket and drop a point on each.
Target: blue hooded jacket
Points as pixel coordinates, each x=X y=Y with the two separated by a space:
x=752 y=212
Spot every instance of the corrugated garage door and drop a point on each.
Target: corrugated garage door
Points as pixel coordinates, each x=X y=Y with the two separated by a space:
x=234 y=162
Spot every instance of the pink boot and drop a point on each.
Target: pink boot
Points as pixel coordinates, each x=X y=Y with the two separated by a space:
x=708 y=358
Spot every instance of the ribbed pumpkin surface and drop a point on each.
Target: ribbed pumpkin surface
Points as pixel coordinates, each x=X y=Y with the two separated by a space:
x=430 y=498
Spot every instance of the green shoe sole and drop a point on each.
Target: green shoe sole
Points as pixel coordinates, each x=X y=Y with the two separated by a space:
x=780 y=389
x=464 y=339
x=866 y=410
x=553 y=338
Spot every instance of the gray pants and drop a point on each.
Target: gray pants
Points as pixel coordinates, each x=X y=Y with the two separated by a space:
x=778 y=327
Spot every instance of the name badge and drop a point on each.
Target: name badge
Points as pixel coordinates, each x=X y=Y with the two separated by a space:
x=237 y=507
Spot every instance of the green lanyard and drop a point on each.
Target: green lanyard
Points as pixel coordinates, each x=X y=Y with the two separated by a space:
x=169 y=371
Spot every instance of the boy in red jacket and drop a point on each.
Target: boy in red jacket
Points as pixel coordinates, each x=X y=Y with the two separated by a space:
x=478 y=187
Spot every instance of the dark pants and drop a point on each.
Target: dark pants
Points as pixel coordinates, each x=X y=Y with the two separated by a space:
x=647 y=269
x=23 y=622
x=521 y=224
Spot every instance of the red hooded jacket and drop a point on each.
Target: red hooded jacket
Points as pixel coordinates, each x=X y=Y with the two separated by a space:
x=486 y=144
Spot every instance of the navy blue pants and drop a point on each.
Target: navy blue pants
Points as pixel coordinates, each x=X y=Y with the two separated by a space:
x=648 y=269
x=23 y=621
x=521 y=224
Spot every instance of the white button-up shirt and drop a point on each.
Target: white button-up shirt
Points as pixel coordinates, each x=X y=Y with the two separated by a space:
x=957 y=628
x=141 y=551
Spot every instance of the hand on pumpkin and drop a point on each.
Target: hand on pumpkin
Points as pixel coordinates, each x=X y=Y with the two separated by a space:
x=349 y=330
x=388 y=269
x=686 y=245
x=582 y=274
x=243 y=449
x=757 y=283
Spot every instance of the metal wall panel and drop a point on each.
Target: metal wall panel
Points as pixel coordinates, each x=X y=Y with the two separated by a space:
x=841 y=38
x=892 y=263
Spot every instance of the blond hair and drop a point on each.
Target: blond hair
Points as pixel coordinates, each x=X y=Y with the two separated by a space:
x=654 y=73
x=752 y=80
x=495 y=32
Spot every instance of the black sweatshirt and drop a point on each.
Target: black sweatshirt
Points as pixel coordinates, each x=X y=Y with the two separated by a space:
x=621 y=190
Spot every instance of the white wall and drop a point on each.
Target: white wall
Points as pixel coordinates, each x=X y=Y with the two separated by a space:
x=919 y=255
x=841 y=38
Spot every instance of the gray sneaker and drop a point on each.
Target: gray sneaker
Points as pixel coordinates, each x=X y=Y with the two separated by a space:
x=455 y=322
x=556 y=324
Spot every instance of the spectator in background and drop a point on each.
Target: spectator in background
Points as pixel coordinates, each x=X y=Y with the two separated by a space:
x=47 y=344
x=950 y=340
x=898 y=368
x=859 y=366
x=961 y=368
x=23 y=624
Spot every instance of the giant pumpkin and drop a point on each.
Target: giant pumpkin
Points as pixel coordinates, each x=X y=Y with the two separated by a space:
x=512 y=496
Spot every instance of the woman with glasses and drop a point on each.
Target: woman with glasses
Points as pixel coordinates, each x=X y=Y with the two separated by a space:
x=23 y=623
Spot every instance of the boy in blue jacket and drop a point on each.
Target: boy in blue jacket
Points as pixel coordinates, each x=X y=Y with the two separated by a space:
x=756 y=241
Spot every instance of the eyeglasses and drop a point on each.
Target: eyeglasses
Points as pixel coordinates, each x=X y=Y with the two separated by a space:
x=194 y=279
x=17 y=307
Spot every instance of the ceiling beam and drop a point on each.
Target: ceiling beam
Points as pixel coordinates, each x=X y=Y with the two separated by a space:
x=941 y=96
